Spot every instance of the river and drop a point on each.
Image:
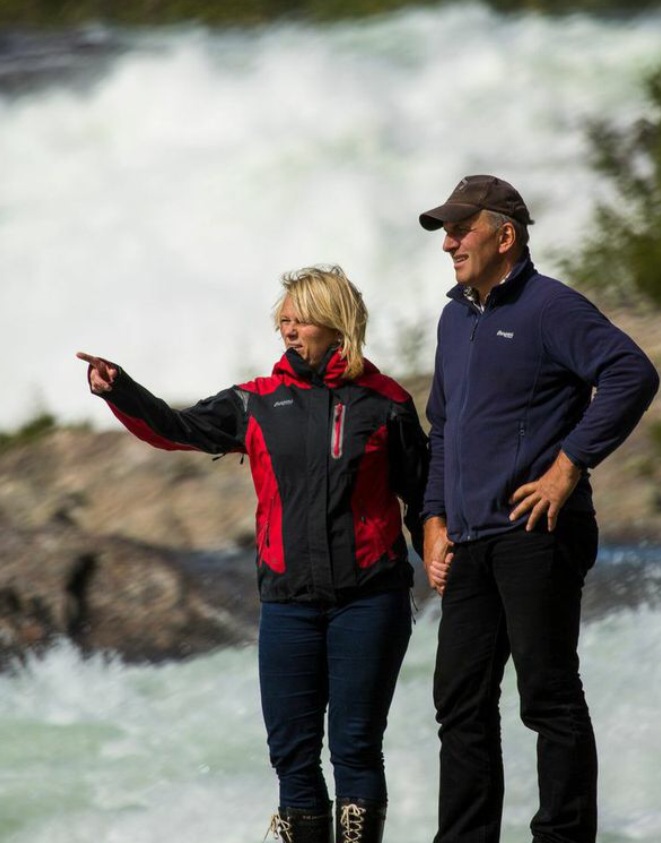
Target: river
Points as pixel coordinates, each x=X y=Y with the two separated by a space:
x=99 y=751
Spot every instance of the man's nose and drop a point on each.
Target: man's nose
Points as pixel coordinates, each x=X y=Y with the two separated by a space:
x=449 y=243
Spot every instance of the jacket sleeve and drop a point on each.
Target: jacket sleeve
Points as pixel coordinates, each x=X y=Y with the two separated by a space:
x=434 y=499
x=582 y=339
x=215 y=425
x=409 y=462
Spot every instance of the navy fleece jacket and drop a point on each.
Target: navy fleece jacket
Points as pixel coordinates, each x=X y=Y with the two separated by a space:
x=539 y=370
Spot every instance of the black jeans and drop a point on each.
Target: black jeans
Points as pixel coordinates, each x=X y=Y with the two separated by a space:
x=516 y=593
x=345 y=658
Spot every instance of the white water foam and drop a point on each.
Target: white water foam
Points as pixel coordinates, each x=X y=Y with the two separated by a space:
x=99 y=751
x=147 y=216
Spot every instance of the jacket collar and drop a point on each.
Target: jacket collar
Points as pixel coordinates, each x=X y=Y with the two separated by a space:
x=521 y=272
x=330 y=373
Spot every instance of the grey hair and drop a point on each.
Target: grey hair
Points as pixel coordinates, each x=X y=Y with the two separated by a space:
x=497 y=220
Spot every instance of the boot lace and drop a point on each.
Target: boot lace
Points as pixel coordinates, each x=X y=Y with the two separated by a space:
x=351 y=822
x=280 y=829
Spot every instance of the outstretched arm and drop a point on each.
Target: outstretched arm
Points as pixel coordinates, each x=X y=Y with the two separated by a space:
x=101 y=374
x=215 y=425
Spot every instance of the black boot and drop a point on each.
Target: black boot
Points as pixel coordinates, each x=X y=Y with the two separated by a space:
x=359 y=821
x=298 y=825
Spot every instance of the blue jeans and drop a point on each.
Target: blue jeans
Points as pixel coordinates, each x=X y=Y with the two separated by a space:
x=344 y=658
x=516 y=594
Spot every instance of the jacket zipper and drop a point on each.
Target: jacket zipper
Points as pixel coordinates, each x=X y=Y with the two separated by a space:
x=464 y=398
x=337 y=439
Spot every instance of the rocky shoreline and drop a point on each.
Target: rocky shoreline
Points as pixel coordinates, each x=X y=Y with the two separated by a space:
x=129 y=550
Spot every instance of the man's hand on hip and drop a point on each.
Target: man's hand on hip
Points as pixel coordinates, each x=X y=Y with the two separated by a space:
x=546 y=494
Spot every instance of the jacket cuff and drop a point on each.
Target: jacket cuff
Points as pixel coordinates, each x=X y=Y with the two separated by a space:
x=574 y=459
x=426 y=515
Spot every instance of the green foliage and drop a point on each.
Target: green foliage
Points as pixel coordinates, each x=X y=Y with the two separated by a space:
x=37 y=427
x=622 y=258
x=564 y=7
x=42 y=424
x=66 y=13
x=62 y=13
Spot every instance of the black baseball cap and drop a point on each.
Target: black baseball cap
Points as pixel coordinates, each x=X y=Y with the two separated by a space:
x=478 y=193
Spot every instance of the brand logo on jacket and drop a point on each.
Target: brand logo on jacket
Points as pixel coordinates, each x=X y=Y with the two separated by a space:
x=284 y=403
x=508 y=335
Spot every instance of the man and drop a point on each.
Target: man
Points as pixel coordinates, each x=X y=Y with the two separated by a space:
x=533 y=387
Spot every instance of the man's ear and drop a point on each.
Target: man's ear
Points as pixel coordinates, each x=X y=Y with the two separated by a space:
x=507 y=238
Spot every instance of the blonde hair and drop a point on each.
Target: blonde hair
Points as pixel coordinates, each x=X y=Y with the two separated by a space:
x=323 y=295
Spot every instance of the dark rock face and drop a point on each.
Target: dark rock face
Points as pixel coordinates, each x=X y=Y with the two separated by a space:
x=114 y=595
x=105 y=541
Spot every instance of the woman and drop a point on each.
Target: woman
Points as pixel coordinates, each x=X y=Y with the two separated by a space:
x=332 y=445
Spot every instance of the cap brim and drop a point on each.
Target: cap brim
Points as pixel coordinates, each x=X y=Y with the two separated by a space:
x=450 y=212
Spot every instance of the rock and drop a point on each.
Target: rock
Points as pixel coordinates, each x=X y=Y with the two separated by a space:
x=114 y=595
x=149 y=554
x=109 y=483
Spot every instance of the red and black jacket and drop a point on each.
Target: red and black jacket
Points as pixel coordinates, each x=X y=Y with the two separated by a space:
x=329 y=459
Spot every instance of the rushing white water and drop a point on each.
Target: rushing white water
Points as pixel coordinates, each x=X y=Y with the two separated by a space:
x=147 y=214
x=99 y=752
